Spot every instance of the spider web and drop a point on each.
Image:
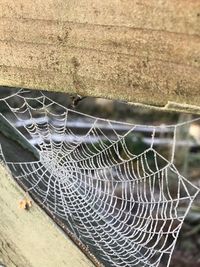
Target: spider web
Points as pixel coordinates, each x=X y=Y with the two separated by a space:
x=118 y=202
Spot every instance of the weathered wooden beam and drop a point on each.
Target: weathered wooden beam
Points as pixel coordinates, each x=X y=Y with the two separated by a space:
x=139 y=51
x=30 y=238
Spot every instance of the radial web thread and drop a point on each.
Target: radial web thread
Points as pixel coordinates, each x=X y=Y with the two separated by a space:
x=119 y=203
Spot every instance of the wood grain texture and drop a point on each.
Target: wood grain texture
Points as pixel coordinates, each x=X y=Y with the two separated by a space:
x=138 y=51
x=30 y=238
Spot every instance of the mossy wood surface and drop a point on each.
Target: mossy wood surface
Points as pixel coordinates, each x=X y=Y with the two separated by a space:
x=30 y=238
x=138 y=51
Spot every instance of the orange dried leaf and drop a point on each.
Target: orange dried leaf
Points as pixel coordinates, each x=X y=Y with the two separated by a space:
x=25 y=204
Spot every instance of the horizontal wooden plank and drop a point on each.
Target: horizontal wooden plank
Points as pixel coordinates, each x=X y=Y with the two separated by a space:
x=147 y=44
x=127 y=50
x=83 y=68
x=185 y=92
x=87 y=61
x=30 y=238
x=171 y=15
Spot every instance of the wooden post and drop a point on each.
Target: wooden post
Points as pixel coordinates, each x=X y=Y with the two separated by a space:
x=30 y=238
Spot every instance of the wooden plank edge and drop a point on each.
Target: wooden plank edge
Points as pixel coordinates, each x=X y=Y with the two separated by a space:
x=31 y=238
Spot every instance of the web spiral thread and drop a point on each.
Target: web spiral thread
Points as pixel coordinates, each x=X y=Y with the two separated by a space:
x=119 y=203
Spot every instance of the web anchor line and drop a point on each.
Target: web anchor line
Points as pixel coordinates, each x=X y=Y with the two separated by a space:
x=123 y=204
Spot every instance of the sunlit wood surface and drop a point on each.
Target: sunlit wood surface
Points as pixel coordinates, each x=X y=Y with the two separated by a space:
x=139 y=51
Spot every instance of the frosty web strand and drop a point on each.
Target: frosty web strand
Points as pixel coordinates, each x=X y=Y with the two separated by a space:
x=117 y=202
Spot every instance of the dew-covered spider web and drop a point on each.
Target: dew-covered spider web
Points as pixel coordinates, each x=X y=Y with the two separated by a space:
x=118 y=200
